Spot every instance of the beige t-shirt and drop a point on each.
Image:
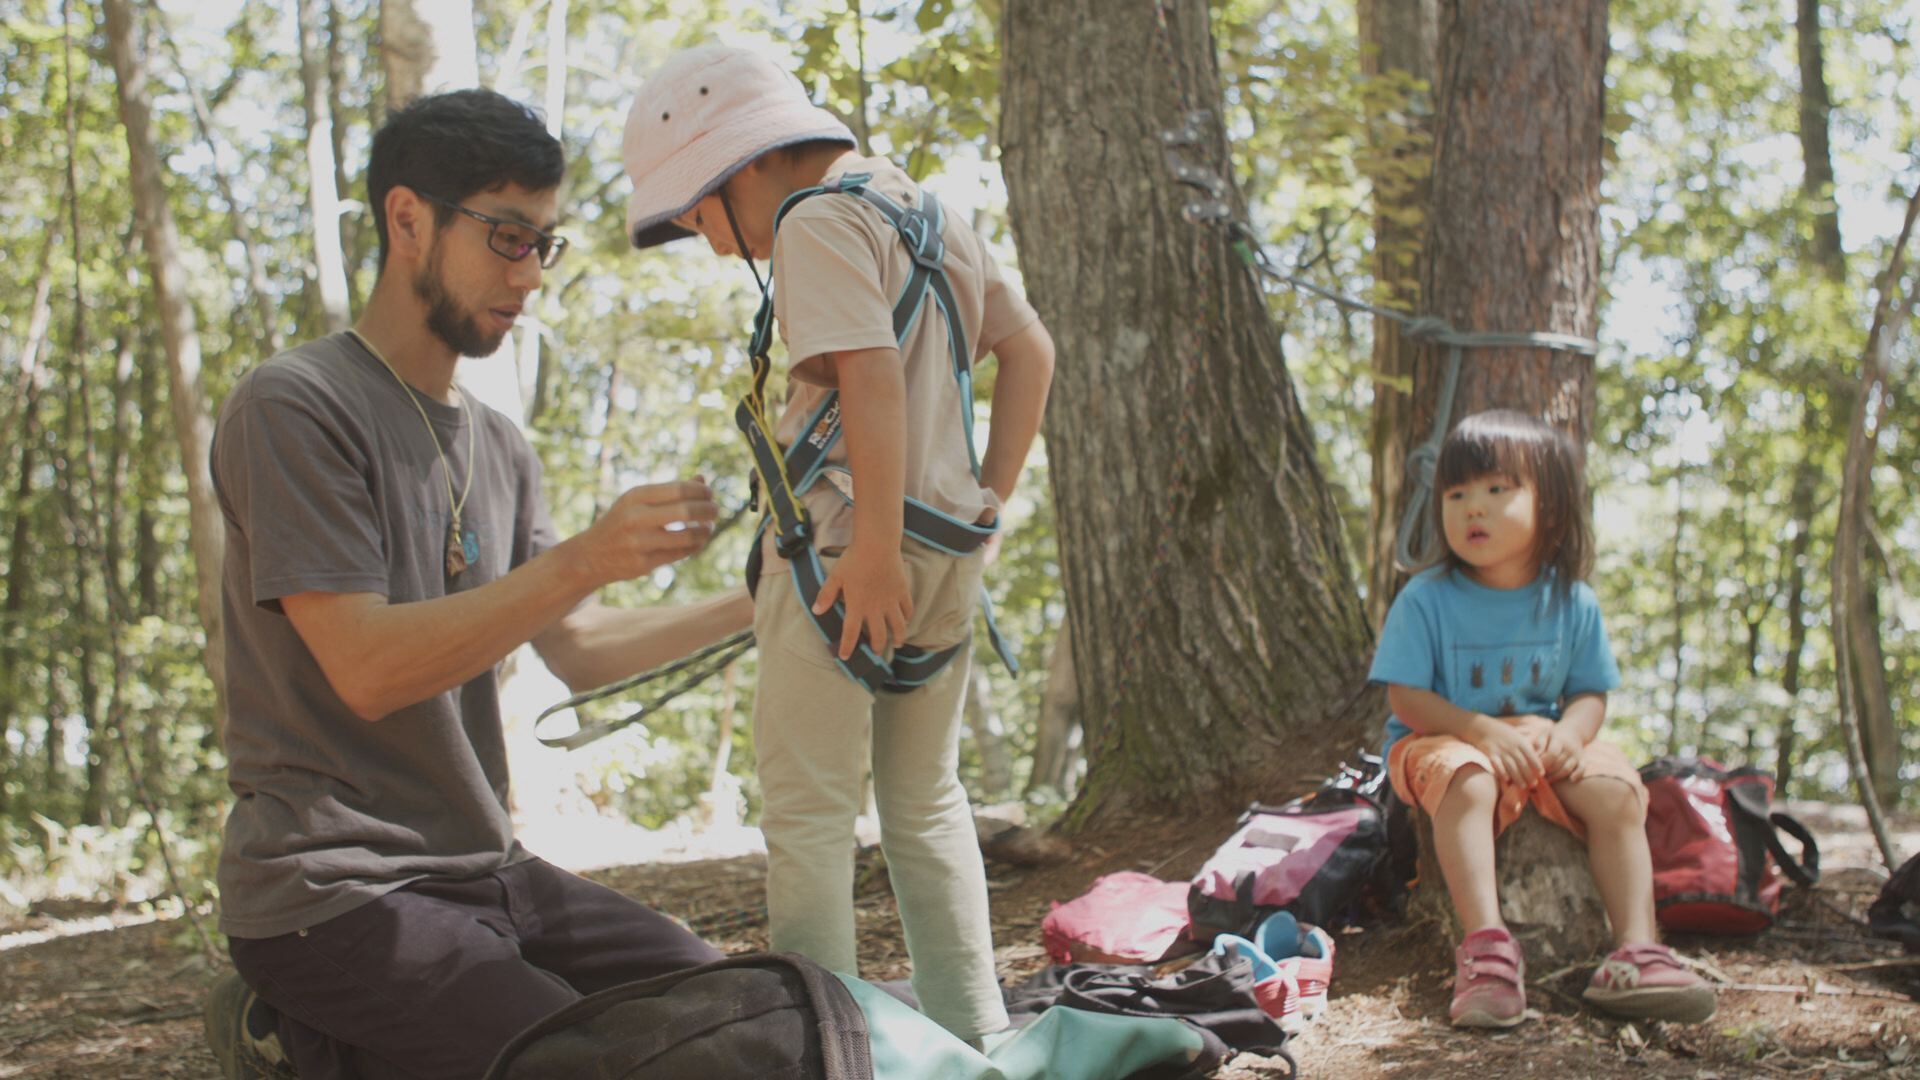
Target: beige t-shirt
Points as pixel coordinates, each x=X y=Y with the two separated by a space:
x=838 y=267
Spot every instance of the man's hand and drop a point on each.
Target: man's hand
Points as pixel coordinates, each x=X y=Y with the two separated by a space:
x=1507 y=746
x=873 y=584
x=648 y=527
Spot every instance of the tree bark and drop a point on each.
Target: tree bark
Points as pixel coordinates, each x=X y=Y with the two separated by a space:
x=1515 y=247
x=1397 y=46
x=425 y=46
x=989 y=738
x=1212 y=610
x=350 y=231
x=1055 y=750
x=1863 y=685
x=1515 y=244
x=323 y=197
x=193 y=427
x=1816 y=190
x=20 y=560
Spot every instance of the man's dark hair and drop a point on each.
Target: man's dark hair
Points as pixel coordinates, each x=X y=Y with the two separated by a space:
x=1537 y=455
x=454 y=144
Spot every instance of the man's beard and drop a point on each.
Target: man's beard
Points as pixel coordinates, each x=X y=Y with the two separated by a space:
x=460 y=331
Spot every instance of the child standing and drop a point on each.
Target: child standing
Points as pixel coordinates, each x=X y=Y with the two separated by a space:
x=864 y=599
x=1497 y=669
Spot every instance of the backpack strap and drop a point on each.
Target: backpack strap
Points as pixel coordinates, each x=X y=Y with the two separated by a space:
x=1806 y=869
x=783 y=476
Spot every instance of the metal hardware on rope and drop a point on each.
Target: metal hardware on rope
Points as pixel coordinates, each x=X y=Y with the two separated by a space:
x=1415 y=544
x=699 y=666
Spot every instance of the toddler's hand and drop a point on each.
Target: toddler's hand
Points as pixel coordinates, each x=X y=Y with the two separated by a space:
x=1511 y=752
x=879 y=603
x=1560 y=752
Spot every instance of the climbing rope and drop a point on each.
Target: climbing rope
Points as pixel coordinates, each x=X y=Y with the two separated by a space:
x=1415 y=544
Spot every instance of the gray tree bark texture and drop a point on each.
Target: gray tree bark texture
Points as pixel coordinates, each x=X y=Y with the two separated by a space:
x=426 y=46
x=1397 y=41
x=1514 y=246
x=193 y=426
x=1515 y=238
x=1215 y=624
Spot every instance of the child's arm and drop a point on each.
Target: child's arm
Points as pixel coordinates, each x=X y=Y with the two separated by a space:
x=1019 y=402
x=870 y=577
x=1512 y=754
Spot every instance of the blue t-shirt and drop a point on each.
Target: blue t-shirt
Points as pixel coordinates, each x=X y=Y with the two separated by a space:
x=1502 y=652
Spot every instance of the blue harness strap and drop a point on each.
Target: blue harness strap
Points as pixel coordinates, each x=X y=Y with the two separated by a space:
x=783 y=476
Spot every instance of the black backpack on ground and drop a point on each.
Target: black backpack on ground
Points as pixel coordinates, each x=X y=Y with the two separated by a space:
x=761 y=1016
x=1213 y=996
x=1895 y=914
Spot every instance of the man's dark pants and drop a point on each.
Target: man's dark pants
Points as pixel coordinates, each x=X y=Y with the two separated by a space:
x=431 y=980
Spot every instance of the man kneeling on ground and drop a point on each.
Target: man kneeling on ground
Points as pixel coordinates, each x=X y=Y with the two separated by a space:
x=387 y=546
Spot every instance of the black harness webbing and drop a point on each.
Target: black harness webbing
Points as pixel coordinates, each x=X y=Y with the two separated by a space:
x=782 y=477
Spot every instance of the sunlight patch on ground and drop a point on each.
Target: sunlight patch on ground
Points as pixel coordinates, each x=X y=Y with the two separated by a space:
x=583 y=842
x=59 y=928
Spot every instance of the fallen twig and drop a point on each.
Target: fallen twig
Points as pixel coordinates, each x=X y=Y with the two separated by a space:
x=1868 y=965
x=1817 y=988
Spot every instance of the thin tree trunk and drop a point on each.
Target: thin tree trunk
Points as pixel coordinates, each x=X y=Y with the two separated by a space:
x=1676 y=582
x=1397 y=43
x=1863 y=686
x=350 y=231
x=1816 y=190
x=193 y=427
x=1208 y=591
x=1055 y=746
x=20 y=559
x=85 y=618
x=323 y=198
x=146 y=540
x=989 y=737
x=426 y=46
x=261 y=297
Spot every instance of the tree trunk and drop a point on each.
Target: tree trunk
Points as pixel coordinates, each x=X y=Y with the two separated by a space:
x=323 y=197
x=350 y=231
x=1816 y=190
x=1396 y=48
x=192 y=425
x=1056 y=751
x=1520 y=114
x=426 y=46
x=989 y=738
x=258 y=292
x=1519 y=111
x=146 y=540
x=1863 y=686
x=1676 y=582
x=13 y=632
x=1213 y=613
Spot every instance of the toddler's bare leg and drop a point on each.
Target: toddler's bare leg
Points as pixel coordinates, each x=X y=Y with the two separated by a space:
x=1463 y=840
x=1617 y=851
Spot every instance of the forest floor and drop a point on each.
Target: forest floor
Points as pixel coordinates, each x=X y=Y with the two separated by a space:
x=114 y=995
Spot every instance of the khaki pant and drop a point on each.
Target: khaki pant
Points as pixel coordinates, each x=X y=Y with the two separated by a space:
x=813 y=732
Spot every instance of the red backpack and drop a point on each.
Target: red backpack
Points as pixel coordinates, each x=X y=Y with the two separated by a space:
x=1717 y=854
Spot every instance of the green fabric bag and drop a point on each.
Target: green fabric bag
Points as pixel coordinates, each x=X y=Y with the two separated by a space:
x=1062 y=1044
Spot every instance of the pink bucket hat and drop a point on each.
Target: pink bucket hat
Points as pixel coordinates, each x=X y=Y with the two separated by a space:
x=701 y=118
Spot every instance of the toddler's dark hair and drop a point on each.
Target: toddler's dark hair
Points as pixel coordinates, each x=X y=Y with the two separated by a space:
x=1539 y=456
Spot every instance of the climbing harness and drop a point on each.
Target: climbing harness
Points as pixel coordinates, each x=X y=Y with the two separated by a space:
x=1415 y=543
x=781 y=478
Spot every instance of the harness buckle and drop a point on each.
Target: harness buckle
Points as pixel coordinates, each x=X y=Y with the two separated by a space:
x=791 y=545
x=924 y=243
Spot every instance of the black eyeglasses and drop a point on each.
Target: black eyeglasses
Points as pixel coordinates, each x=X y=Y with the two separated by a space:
x=511 y=240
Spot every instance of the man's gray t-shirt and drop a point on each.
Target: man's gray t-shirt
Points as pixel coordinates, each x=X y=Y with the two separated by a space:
x=329 y=483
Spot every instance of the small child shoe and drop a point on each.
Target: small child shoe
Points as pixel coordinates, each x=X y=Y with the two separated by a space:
x=1275 y=986
x=1489 y=981
x=1314 y=971
x=1647 y=982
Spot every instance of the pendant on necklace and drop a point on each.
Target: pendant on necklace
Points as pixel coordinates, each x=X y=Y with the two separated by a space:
x=463 y=548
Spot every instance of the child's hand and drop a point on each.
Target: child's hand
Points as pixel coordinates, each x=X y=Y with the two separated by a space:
x=874 y=587
x=1560 y=752
x=1510 y=751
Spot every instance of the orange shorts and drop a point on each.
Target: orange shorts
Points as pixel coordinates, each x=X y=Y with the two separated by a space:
x=1422 y=768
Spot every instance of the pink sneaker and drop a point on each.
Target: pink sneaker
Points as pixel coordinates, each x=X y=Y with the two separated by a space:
x=1489 y=981
x=1314 y=970
x=1647 y=982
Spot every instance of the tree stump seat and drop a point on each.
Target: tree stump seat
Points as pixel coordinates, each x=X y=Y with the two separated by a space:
x=1547 y=896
